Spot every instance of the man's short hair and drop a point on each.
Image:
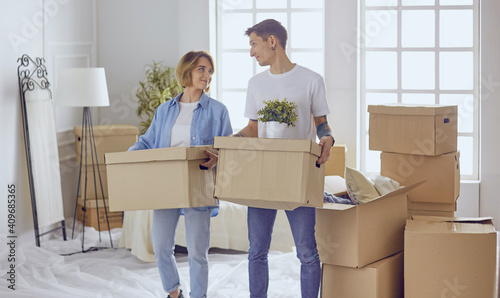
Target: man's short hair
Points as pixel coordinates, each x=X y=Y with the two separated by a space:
x=187 y=63
x=267 y=28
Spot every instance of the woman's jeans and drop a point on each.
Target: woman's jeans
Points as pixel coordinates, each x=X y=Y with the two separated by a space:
x=260 y=226
x=198 y=240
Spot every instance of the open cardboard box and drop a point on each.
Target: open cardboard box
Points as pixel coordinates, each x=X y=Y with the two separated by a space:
x=269 y=173
x=357 y=235
x=450 y=257
x=159 y=179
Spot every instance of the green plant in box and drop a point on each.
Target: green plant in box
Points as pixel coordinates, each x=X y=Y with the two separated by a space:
x=158 y=86
x=280 y=111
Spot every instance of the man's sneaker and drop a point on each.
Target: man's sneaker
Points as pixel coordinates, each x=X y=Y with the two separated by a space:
x=180 y=295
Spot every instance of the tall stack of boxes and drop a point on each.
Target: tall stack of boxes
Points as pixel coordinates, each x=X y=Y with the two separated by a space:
x=419 y=143
x=444 y=256
x=108 y=138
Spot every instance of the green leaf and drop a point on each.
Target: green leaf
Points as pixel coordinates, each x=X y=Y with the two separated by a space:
x=158 y=86
x=280 y=111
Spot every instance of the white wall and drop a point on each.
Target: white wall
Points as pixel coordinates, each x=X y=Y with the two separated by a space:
x=131 y=34
x=18 y=35
x=63 y=33
x=489 y=203
x=341 y=73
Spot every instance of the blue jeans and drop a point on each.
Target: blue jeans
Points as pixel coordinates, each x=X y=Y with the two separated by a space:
x=198 y=240
x=260 y=227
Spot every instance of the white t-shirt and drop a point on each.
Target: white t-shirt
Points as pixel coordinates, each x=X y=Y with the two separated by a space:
x=181 y=131
x=300 y=85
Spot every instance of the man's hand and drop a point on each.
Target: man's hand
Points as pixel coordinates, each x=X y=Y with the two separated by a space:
x=212 y=160
x=326 y=144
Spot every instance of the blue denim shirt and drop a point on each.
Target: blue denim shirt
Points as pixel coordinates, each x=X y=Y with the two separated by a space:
x=210 y=119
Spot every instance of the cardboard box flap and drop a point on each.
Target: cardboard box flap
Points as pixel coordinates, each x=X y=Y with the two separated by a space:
x=454 y=219
x=408 y=109
x=262 y=144
x=161 y=154
x=110 y=130
x=435 y=224
x=336 y=206
x=401 y=190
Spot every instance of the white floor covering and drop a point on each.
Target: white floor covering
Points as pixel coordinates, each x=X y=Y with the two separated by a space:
x=113 y=272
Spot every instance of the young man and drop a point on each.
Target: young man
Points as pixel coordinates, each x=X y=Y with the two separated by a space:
x=306 y=88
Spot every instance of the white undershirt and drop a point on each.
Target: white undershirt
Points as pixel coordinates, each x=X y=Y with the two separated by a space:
x=181 y=131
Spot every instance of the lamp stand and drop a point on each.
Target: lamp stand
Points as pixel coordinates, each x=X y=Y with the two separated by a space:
x=88 y=139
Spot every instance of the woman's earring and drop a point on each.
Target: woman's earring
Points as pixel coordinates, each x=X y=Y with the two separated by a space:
x=272 y=48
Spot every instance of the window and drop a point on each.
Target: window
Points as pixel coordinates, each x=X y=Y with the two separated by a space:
x=421 y=52
x=304 y=21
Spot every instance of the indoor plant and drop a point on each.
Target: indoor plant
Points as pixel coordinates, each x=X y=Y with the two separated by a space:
x=277 y=116
x=158 y=86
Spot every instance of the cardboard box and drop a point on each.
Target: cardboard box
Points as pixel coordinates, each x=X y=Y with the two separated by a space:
x=441 y=172
x=450 y=257
x=336 y=165
x=96 y=217
x=108 y=138
x=432 y=206
x=382 y=279
x=269 y=173
x=91 y=183
x=159 y=179
x=413 y=129
x=357 y=235
x=413 y=212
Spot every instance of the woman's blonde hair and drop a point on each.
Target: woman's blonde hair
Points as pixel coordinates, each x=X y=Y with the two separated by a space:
x=187 y=63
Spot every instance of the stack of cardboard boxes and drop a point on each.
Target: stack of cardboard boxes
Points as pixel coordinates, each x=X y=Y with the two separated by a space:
x=108 y=138
x=419 y=143
x=361 y=246
x=444 y=256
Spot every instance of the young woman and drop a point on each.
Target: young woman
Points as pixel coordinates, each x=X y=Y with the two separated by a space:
x=192 y=118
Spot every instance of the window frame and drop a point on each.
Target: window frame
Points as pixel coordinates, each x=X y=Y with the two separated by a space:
x=436 y=49
x=218 y=88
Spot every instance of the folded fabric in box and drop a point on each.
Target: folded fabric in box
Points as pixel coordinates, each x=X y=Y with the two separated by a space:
x=362 y=189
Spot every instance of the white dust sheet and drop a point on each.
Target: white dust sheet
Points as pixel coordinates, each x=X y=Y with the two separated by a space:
x=114 y=272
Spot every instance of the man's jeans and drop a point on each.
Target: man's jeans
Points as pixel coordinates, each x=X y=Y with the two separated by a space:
x=260 y=226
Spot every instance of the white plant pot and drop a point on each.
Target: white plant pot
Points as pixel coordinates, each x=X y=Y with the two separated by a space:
x=274 y=130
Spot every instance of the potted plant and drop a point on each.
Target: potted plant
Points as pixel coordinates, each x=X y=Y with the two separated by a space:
x=158 y=86
x=277 y=115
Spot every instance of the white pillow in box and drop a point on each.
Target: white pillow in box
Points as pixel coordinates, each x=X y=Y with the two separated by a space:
x=359 y=188
x=385 y=185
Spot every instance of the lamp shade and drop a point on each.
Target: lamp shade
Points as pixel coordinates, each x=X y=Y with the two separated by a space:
x=82 y=87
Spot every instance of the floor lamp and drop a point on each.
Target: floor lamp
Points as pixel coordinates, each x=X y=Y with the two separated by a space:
x=85 y=87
